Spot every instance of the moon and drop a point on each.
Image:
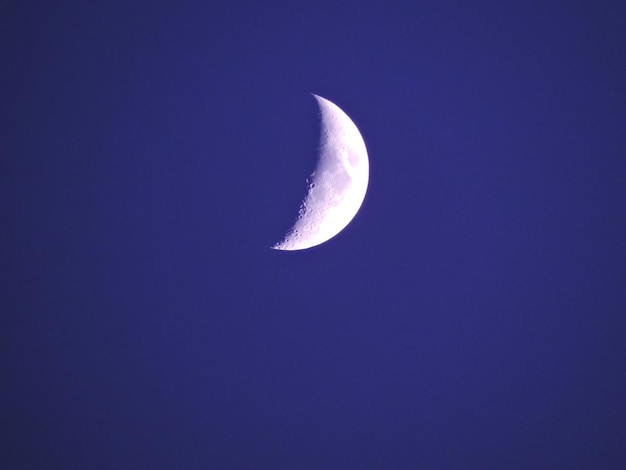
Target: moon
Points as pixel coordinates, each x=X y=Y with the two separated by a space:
x=337 y=186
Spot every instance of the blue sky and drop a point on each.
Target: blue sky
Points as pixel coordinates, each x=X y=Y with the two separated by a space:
x=471 y=315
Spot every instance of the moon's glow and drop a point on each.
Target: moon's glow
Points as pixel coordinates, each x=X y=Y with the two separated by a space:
x=338 y=185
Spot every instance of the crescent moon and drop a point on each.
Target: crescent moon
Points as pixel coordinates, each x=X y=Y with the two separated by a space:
x=338 y=185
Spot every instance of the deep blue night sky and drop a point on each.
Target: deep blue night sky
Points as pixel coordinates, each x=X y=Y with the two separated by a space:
x=471 y=316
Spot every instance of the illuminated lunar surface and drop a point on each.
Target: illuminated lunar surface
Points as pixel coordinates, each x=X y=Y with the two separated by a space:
x=338 y=185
